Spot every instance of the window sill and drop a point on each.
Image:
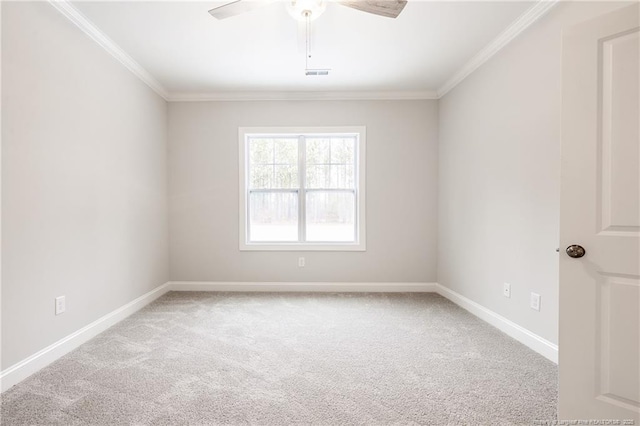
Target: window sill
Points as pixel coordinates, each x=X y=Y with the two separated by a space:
x=302 y=247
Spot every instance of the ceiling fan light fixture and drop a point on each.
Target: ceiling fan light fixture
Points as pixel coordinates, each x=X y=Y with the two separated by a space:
x=303 y=9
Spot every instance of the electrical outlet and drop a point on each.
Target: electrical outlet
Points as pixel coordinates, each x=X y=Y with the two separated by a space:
x=535 y=301
x=301 y=262
x=61 y=305
x=506 y=290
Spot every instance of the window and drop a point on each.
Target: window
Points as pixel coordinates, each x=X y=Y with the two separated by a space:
x=302 y=189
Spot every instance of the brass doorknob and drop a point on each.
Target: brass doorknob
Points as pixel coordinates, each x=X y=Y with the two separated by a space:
x=575 y=251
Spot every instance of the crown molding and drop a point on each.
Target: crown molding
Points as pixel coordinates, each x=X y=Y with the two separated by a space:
x=523 y=22
x=74 y=15
x=518 y=26
x=302 y=96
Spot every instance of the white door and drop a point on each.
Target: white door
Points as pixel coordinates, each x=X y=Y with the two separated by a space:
x=599 y=360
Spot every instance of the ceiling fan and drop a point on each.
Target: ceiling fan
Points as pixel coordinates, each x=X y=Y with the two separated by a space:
x=304 y=9
x=308 y=10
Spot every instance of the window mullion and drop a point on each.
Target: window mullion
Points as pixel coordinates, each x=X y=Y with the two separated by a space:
x=356 y=181
x=247 y=189
x=302 y=175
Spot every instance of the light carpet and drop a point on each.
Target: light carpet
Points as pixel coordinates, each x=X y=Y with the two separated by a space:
x=292 y=358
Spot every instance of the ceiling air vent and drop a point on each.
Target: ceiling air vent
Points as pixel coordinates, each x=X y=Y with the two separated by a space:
x=316 y=72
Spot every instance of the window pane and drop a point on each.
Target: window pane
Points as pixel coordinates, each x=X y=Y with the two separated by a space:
x=318 y=151
x=286 y=151
x=273 y=216
x=342 y=150
x=331 y=163
x=338 y=176
x=330 y=216
x=318 y=176
x=261 y=151
x=273 y=163
x=335 y=176
x=350 y=181
x=286 y=177
x=261 y=177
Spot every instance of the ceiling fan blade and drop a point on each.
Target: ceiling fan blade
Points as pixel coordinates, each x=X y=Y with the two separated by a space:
x=237 y=7
x=388 y=8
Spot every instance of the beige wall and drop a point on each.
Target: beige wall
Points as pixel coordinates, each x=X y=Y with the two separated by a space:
x=83 y=181
x=401 y=192
x=500 y=175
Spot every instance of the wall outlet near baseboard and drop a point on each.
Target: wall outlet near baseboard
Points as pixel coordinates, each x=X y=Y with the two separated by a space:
x=535 y=301
x=506 y=290
x=301 y=262
x=61 y=305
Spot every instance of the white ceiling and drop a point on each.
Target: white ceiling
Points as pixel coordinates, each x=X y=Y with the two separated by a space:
x=188 y=51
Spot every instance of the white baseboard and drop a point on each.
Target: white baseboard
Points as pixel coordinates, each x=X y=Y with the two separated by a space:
x=303 y=287
x=542 y=346
x=23 y=369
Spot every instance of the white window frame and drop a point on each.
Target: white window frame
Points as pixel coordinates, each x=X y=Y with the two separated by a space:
x=360 y=241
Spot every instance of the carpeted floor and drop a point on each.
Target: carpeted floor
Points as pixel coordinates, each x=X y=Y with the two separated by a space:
x=287 y=358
